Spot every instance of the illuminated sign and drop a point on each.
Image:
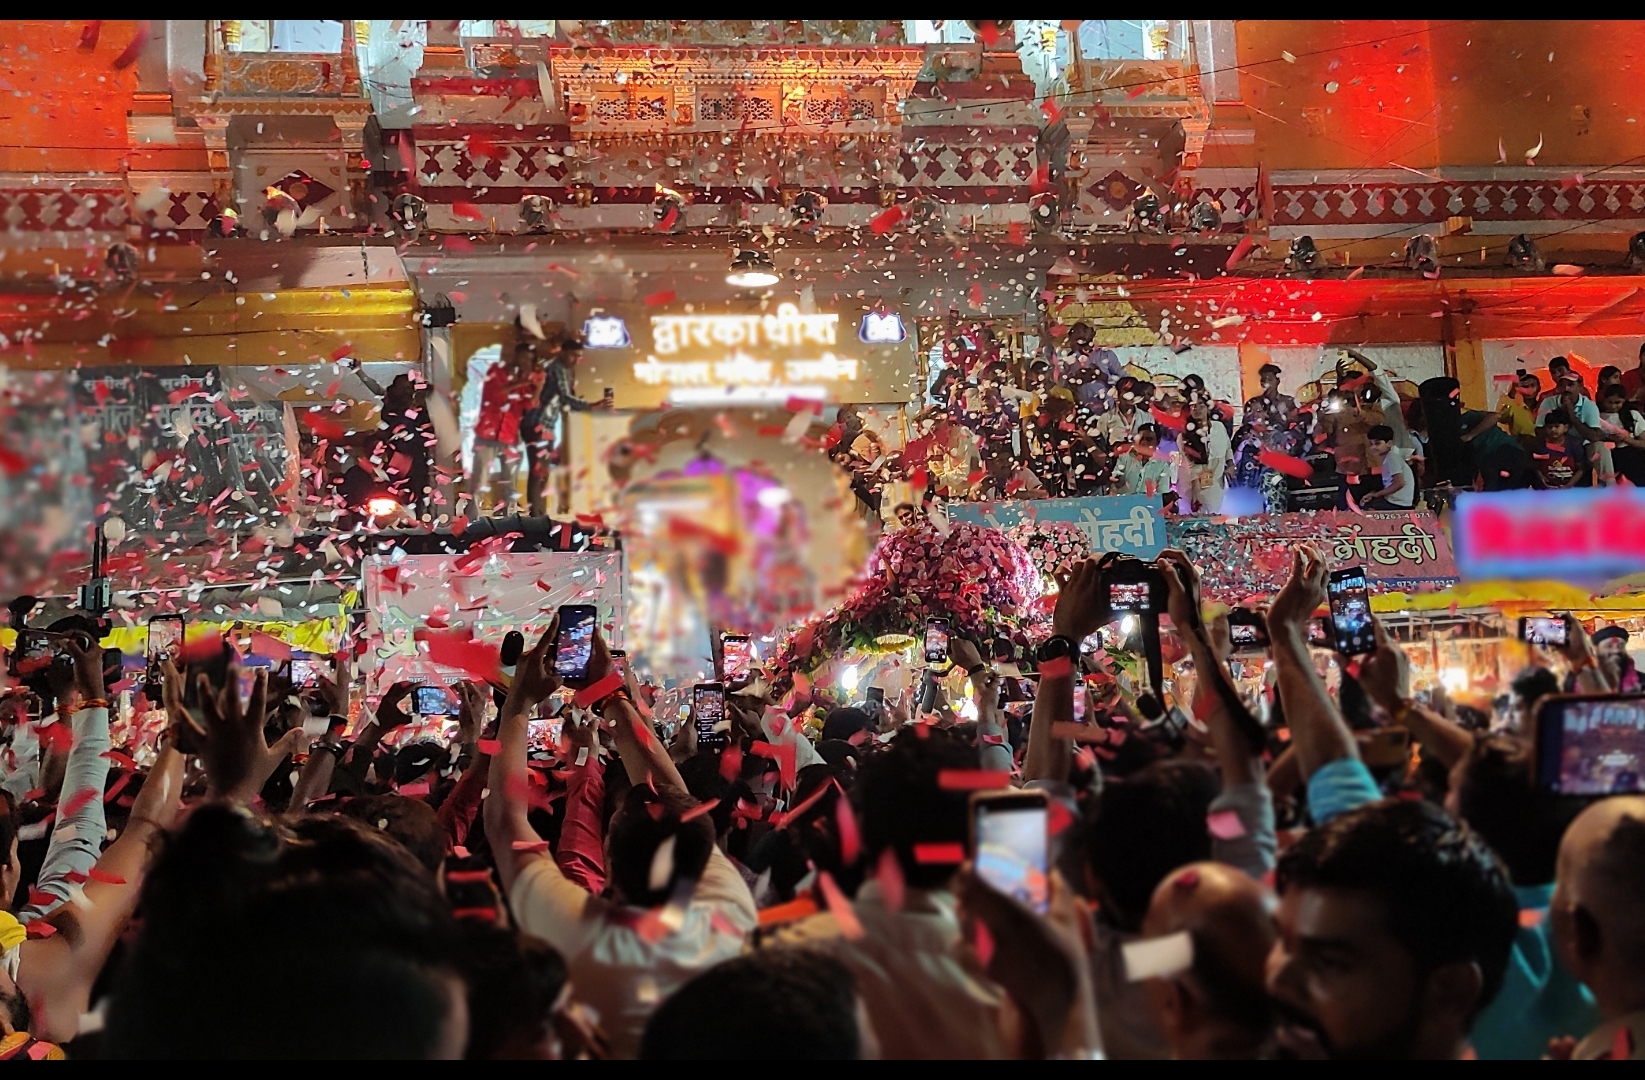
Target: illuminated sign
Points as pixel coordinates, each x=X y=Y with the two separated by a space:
x=766 y=356
x=881 y=328
x=1581 y=535
x=605 y=332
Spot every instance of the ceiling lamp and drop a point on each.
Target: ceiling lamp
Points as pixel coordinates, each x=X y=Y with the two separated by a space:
x=536 y=213
x=1146 y=213
x=1205 y=217
x=409 y=212
x=1043 y=211
x=667 y=210
x=122 y=261
x=752 y=269
x=1523 y=255
x=807 y=210
x=1303 y=254
x=1422 y=254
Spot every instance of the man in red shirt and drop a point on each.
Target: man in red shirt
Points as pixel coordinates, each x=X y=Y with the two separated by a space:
x=511 y=388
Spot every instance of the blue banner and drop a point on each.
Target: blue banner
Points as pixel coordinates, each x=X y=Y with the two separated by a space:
x=1130 y=524
x=1580 y=535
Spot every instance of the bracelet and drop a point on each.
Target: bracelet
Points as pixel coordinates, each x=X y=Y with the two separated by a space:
x=93 y=703
x=974 y=668
x=620 y=694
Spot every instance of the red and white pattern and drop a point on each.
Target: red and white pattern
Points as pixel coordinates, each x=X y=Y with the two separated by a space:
x=996 y=164
x=1508 y=205
x=454 y=164
x=51 y=209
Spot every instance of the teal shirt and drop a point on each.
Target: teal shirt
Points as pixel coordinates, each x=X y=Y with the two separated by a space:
x=1539 y=999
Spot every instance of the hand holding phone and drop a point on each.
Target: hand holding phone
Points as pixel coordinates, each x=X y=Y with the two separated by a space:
x=433 y=701
x=1591 y=744
x=708 y=714
x=1350 y=601
x=736 y=658
x=574 y=642
x=936 y=642
x=1010 y=845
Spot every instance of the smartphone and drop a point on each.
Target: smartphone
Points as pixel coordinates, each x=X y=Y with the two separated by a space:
x=708 y=713
x=433 y=701
x=305 y=674
x=1591 y=744
x=165 y=643
x=936 y=641
x=1248 y=630
x=1010 y=844
x=574 y=643
x=875 y=694
x=1081 y=693
x=736 y=658
x=1351 y=612
x=1543 y=630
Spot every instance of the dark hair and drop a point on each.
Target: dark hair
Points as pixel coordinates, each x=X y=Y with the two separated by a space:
x=705 y=782
x=415 y=760
x=1535 y=683
x=411 y=822
x=514 y=981
x=1557 y=416
x=646 y=821
x=1559 y=361
x=1380 y=433
x=242 y=917
x=1269 y=369
x=775 y=1004
x=1618 y=863
x=1146 y=826
x=1499 y=799
x=1150 y=430
x=1610 y=369
x=1444 y=896
x=902 y=805
x=845 y=722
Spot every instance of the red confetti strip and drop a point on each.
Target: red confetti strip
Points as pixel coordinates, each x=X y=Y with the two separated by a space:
x=607 y=686
x=467 y=211
x=129 y=55
x=40 y=929
x=1241 y=250
x=886 y=220
x=657 y=299
x=973 y=779
x=850 y=836
x=699 y=810
x=1286 y=464
x=90 y=33
x=939 y=853
x=530 y=845
x=889 y=876
x=983 y=943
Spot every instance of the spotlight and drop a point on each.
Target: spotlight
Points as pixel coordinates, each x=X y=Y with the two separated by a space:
x=1205 y=217
x=1043 y=210
x=1523 y=255
x=1303 y=254
x=667 y=209
x=536 y=212
x=382 y=506
x=1636 y=251
x=224 y=225
x=752 y=269
x=924 y=211
x=1422 y=255
x=122 y=260
x=409 y=212
x=1145 y=213
x=807 y=210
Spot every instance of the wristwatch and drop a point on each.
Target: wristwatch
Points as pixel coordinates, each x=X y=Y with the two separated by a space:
x=1056 y=647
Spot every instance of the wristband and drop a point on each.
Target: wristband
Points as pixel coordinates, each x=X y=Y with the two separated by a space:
x=599 y=691
x=974 y=668
x=93 y=703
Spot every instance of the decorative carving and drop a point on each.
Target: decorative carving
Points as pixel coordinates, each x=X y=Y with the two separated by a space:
x=282 y=75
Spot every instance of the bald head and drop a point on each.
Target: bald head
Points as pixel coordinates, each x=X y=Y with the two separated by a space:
x=1602 y=879
x=1220 y=1006
x=1229 y=915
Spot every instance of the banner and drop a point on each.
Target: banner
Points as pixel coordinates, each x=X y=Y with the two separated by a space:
x=1583 y=535
x=646 y=356
x=1129 y=524
x=174 y=451
x=1401 y=550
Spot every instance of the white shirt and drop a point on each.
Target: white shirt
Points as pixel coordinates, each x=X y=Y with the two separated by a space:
x=1393 y=465
x=613 y=966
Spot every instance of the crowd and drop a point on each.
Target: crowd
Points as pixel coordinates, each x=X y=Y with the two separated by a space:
x=579 y=870
x=1085 y=426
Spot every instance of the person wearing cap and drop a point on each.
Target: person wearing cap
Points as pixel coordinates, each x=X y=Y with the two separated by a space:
x=1611 y=645
x=1573 y=397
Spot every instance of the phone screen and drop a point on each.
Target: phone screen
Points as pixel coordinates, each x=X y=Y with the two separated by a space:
x=736 y=657
x=305 y=674
x=936 y=641
x=1351 y=612
x=1244 y=634
x=1128 y=595
x=875 y=694
x=708 y=713
x=1592 y=746
x=1541 y=630
x=1012 y=848
x=1081 y=693
x=165 y=638
x=574 y=646
x=434 y=701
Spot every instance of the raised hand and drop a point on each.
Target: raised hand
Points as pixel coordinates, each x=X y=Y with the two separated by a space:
x=1386 y=673
x=1301 y=596
x=1079 y=608
x=237 y=758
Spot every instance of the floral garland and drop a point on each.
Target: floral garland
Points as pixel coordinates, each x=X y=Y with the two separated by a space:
x=1055 y=546
x=980 y=579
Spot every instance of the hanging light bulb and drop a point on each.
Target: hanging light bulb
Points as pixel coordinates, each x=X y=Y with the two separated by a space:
x=752 y=269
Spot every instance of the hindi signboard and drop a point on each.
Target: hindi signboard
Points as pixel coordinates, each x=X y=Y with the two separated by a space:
x=1401 y=550
x=648 y=357
x=1129 y=524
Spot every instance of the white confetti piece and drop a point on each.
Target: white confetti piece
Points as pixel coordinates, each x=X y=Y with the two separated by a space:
x=1159 y=958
